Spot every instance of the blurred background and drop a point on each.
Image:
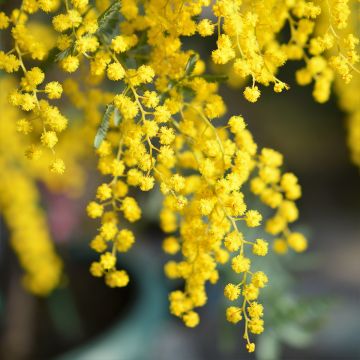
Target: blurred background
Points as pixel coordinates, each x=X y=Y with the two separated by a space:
x=312 y=304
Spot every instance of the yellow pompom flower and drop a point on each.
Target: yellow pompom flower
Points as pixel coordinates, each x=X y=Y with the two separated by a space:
x=240 y=264
x=233 y=314
x=108 y=230
x=24 y=126
x=260 y=247
x=255 y=310
x=107 y=261
x=253 y=218
x=250 y=347
x=80 y=4
x=96 y=269
x=98 y=244
x=70 y=64
x=33 y=152
x=32 y=79
x=124 y=240
x=256 y=326
x=94 y=210
x=205 y=28
x=122 y=43
x=115 y=71
x=103 y=192
x=131 y=209
x=280 y=246
x=9 y=63
x=233 y=241
x=49 y=139
x=259 y=279
x=237 y=124
x=191 y=319
x=53 y=90
x=48 y=5
x=118 y=278
x=57 y=166
x=250 y=292
x=297 y=242
x=171 y=245
x=4 y=21
x=232 y=292
x=252 y=94
x=147 y=183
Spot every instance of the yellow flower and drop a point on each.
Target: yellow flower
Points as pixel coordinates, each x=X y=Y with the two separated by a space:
x=240 y=264
x=233 y=314
x=98 y=244
x=259 y=279
x=205 y=27
x=260 y=248
x=250 y=347
x=256 y=326
x=252 y=94
x=57 y=166
x=94 y=209
x=4 y=21
x=255 y=310
x=108 y=230
x=232 y=292
x=131 y=209
x=237 y=124
x=171 y=245
x=115 y=72
x=117 y=278
x=297 y=242
x=49 y=139
x=253 y=218
x=191 y=319
x=53 y=90
x=250 y=292
x=233 y=241
x=107 y=261
x=124 y=240
x=32 y=79
x=280 y=246
x=103 y=192
x=70 y=64
x=96 y=269
x=24 y=126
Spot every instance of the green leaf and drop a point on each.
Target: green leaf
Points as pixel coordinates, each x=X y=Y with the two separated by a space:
x=187 y=93
x=104 y=126
x=165 y=94
x=190 y=66
x=117 y=117
x=267 y=347
x=294 y=335
x=65 y=53
x=108 y=21
x=215 y=78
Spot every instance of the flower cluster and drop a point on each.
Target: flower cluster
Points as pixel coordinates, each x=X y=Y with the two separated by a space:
x=165 y=133
x=252 y=38
x=160 y=125
x=44 y=119
x=348 y=99
x=19 y=198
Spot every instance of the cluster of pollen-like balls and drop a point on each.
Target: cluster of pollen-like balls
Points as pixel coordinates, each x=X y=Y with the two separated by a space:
x=160 y=127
